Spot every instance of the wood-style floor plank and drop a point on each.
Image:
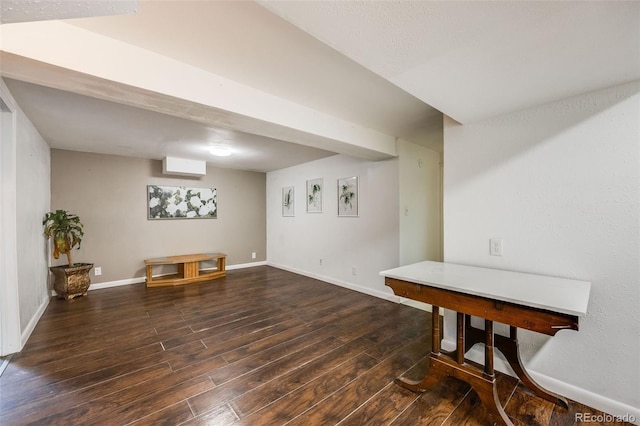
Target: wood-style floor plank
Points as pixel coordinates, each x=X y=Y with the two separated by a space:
x=264 y=395
x=261 y=346
x=302 y=399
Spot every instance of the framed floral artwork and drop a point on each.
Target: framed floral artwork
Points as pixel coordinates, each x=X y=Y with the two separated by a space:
x=179 y=202
x=288 y=199
x=348 y=196
x=314 y=195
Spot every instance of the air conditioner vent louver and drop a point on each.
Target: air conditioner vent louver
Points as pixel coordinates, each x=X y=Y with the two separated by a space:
x=183 y=167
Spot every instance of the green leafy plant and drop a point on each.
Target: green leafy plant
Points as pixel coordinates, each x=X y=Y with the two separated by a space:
x=66 y=230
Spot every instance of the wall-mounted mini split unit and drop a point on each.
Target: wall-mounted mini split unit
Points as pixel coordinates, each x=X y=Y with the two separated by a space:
x=183 y=167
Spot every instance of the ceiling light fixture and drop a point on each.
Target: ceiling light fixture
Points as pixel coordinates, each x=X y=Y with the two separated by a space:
x=220 y=150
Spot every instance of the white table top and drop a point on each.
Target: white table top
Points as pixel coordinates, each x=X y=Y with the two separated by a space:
x=538 y=291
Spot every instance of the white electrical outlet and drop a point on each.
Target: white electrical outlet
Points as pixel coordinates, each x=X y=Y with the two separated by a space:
x=97 y=270
x=354 y=270
x=320 y=261
x=495 y=247
x=253 y=254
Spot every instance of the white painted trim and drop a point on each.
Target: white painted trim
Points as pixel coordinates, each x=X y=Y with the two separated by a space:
x=379 y=294
x=34 y=321
x=117 y=283
x=137 y=280
x=567 y=390
x=246 y=265
x=5 y=363
x=345 y=284
x=10 y=341
x=599 y=402
x=351 y=286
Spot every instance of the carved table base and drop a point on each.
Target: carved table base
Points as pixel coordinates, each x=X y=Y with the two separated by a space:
x=454 y=364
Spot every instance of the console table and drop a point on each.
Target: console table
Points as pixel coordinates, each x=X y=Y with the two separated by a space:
x=188 y=269
x=533 y=302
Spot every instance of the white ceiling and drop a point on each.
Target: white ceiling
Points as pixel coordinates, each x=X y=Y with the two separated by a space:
x=105 y=127
x=39 y=10
x=379 y=65
x=477 y=59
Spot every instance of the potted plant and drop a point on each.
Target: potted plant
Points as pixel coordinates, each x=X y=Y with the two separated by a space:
x=65 y=229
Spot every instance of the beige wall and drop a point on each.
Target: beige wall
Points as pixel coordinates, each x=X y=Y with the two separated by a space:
x=109 y=194
x=420 y=203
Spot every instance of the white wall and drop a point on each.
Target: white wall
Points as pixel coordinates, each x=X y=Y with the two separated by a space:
x=560 y=184
x=420 y=203
x=33 y=201
x=31 y=188
x=10 y=340
x=368 y=242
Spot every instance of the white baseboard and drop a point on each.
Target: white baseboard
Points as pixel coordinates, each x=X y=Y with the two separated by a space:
x=4 y=362
x=351 y=286
x=246 y=265
x=591 y=399
x=137 y=280
x=117 y=283
x=32 y=324
x=583 y=396
x=376 y=293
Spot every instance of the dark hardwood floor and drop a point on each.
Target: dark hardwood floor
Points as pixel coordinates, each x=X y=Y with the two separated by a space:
x=261 y=346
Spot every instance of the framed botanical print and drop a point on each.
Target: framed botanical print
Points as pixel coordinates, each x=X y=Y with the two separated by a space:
x=348 y=196
x=288 y=201
x=314 y=195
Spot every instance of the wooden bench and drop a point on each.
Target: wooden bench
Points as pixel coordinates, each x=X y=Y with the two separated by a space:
x=188 y=269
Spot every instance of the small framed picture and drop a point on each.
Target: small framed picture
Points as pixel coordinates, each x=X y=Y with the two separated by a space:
x=348 y=196
x=314 y=195
x=288 y=201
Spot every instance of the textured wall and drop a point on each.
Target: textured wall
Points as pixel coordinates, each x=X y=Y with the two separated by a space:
x=109 y=194
x=24 y=169
x=32 y=202
x=368 y=242
x=560 y=184
x=420 y=190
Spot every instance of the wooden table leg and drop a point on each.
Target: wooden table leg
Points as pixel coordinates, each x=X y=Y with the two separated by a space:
x=432 y=377
x=488 y=349
x=443 y=365
x=509 y=348
x=460 y=338
x=487 y=389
